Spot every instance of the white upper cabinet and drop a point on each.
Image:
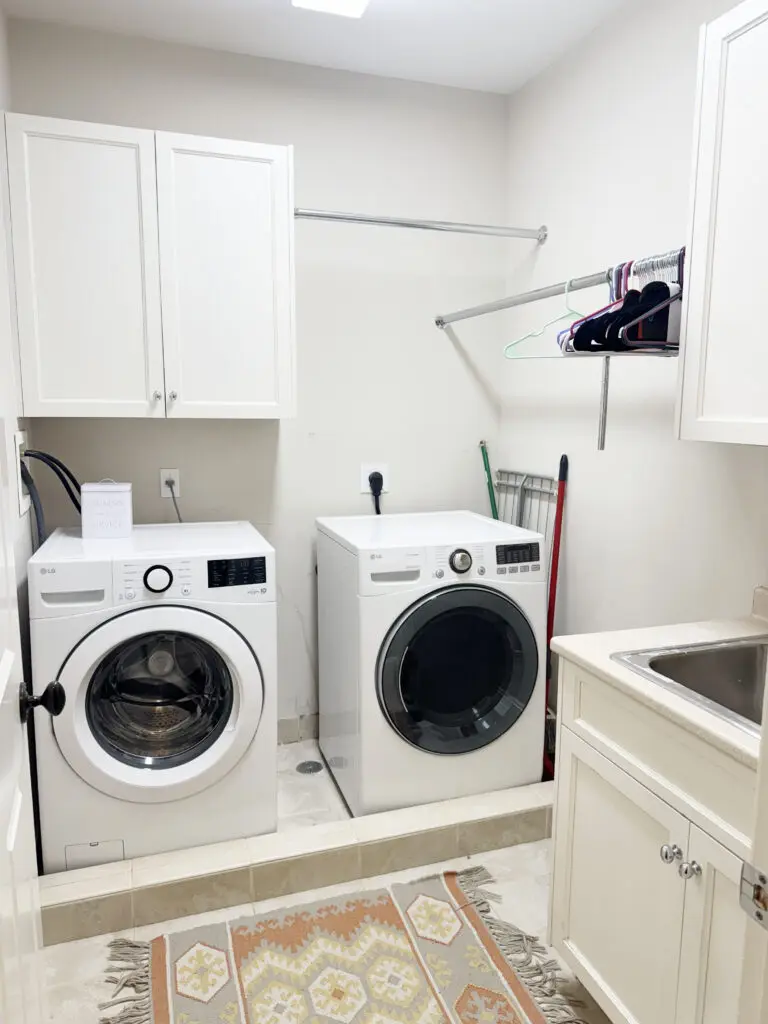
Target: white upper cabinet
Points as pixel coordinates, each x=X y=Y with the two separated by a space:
x=226 y=221
x=91 y=265
x=724 y=371
x=84 y=222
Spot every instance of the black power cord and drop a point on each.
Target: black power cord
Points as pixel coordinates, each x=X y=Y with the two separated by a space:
x=37 y=505
x=64 y=474
x=376 y=481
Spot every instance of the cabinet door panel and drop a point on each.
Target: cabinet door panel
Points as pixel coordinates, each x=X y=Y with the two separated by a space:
x=617 y=907
x=226 y=227
x=84 y=225
x=725 y=358
x=714 y=930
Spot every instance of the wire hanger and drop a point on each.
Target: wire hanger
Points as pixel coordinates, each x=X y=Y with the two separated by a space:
x=569 y=311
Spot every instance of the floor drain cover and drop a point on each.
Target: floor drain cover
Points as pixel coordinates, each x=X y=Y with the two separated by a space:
x=309 y=767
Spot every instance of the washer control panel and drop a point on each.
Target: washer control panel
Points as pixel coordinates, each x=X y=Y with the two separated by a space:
x=152 y=580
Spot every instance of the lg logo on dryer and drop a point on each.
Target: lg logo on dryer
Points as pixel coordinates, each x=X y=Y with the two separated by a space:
x=47 y=572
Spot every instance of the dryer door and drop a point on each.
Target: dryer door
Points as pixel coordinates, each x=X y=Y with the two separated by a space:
x=457 y=669
x=162 y=702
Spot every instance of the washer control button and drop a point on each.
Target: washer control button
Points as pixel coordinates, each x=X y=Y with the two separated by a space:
x=186 y=591
x=460 y=561
x=439 y=574
x=158 y=579
x=130 y=595
x=481 y=571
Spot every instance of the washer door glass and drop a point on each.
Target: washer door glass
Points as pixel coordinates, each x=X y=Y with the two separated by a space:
x=457 y=670
x=159 y=700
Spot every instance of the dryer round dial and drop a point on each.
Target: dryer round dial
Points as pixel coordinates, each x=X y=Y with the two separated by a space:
x=158 y=579
x=460 y=560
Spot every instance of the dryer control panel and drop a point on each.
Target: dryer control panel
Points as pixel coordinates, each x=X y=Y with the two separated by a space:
x=393 y=568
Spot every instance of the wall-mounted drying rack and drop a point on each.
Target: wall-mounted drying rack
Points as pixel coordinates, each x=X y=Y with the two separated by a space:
x=662 y=264
x=539 y=234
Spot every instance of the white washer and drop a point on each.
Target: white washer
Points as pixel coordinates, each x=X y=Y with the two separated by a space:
x=432 y=633
x=166 y=646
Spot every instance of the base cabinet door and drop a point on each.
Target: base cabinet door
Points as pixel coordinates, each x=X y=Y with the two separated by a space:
x=714 y=930
x=617 y=906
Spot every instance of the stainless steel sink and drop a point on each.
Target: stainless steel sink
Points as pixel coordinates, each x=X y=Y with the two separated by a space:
x=727 y=678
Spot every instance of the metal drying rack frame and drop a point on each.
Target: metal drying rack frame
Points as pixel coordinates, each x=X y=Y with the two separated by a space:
x=455 y=227
x=551 y=291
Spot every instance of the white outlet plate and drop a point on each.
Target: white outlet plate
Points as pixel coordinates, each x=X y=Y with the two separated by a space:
x=165 y=490
x=366 y=468
x=20 y=442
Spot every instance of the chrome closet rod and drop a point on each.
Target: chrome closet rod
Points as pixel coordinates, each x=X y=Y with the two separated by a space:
x=540 y=234
x=574 y=285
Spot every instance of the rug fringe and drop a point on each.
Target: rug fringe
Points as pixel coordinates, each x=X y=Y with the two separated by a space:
x=128 y=967
x=527 y=957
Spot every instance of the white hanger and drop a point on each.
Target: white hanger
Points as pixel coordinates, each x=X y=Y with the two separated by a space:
x=569 y=312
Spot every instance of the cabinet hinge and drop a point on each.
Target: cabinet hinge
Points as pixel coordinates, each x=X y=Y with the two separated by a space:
x=754 y=894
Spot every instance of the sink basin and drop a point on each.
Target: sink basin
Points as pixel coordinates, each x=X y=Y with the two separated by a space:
x=727 y=678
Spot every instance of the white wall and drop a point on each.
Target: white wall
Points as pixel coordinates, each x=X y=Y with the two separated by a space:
x=600 y=150
x=20 y=537
x=376 y=379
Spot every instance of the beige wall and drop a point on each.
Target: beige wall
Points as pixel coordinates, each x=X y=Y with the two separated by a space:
x=600 y=148
x=376 y=379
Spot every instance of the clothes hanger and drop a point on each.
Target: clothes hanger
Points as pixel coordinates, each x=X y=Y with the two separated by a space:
x=556 y=320
x=638 y=343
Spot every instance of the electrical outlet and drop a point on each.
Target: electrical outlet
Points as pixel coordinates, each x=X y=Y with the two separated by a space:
x=366 y=468
x=20 y=446
x=165 y=490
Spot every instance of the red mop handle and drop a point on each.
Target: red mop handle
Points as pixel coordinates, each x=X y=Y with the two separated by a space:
x=561 y=484
x=549 y=768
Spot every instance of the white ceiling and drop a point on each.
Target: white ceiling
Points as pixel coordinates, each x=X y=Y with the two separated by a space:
x=491 y=45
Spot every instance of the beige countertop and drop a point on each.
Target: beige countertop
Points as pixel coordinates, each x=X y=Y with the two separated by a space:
x=592 y=651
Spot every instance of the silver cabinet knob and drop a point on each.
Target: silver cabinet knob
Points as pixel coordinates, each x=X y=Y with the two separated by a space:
x=157 y=396
x=669 y=854
x=690 y=869
x=173 y=395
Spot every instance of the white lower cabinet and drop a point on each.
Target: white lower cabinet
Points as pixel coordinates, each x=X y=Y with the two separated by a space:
x=714 y=932
x=650 y=945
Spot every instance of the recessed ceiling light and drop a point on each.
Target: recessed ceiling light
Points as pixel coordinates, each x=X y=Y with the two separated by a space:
x=346 y=8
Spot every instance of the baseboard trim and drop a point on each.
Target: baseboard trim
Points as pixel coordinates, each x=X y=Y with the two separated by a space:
x=115 y=897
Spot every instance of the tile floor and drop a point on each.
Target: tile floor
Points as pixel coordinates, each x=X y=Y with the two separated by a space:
x=74 y=970
x=305 y=799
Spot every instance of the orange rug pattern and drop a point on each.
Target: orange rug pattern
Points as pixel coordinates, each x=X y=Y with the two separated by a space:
x=427 y=952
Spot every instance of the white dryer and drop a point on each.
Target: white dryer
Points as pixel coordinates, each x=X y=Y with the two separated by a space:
x=166 y=646
x=432 y=634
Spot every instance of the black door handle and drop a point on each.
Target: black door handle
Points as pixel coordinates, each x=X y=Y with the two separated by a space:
x=53 y=698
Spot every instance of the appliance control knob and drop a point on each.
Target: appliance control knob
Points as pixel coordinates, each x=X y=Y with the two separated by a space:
x=460 y=560
x=439 y=574
x=158 y=579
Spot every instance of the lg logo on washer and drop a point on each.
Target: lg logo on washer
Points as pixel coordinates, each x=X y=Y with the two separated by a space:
x=47 y=572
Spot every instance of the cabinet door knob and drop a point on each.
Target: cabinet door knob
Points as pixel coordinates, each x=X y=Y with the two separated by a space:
x=690 y=869
x=173 y=395
x=669 y=854
x=157 y=396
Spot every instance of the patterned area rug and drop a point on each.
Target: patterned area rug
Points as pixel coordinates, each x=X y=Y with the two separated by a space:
x=428 y=952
